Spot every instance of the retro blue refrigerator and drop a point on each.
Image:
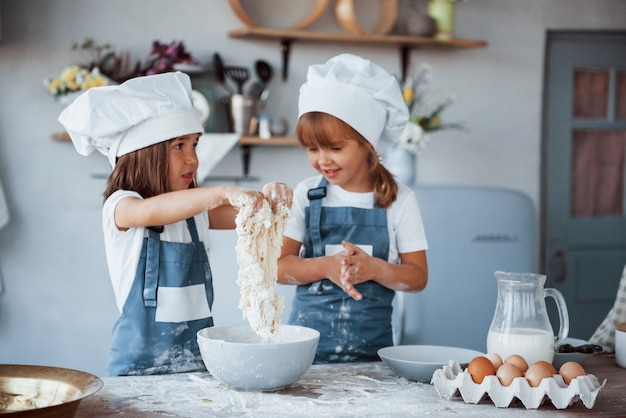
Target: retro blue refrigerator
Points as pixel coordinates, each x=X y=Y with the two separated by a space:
x=472 y=232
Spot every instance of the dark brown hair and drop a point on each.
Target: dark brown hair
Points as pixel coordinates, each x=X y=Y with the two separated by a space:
x=321 y=129
x=144 y=171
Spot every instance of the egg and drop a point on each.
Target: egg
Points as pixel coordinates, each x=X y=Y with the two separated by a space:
x=570 y=371
x=537 y=372
x=480 y=367
x=548 y=365
x=495 y=359
x=517 y=360
x=507 y=372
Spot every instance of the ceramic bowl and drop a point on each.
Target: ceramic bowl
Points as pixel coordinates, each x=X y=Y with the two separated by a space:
x=239 y=358
x=561 y=358
x=42 y=391
x=419 y=362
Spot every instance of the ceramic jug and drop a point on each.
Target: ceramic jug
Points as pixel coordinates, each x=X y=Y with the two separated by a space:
x=520 y=323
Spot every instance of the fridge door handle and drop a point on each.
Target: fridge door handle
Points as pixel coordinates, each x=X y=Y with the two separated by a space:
x=558 y=266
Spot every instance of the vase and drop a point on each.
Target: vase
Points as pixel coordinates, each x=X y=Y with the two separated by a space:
x=413 y=21
x=401 y=163
x=443 y=13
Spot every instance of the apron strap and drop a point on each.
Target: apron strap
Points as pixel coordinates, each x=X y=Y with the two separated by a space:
x=193 y=231
x=315 y=213
x=152 y=270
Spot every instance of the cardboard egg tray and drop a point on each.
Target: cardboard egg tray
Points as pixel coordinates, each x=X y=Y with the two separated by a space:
x=451 y=380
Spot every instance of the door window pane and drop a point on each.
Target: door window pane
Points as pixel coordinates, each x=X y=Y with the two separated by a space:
x=591 y=93
x=597 y=174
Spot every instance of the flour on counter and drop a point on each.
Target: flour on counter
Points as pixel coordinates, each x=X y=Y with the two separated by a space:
x=258 y=248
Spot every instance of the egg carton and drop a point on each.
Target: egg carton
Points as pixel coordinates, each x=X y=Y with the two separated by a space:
x=452 y=380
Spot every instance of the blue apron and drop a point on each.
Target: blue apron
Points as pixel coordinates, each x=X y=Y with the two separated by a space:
x=143 y=343
x=350 y=330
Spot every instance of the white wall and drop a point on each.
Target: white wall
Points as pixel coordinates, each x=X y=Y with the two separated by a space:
x=57 y=307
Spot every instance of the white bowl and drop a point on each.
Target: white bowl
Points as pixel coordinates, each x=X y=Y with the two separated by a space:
x=562 y=358
x=419 y=362
x=239 y=358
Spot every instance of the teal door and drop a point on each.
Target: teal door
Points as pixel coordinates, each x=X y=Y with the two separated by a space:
x=583 y=158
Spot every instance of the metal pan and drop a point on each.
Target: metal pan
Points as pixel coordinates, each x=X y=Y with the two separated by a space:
x=42 y=391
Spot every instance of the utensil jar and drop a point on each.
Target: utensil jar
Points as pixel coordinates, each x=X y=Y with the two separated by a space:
x=243 y=114
x=520 y=323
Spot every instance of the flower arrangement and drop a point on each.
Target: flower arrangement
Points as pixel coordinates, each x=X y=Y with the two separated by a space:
x=425 y=110
x=109 y=67
x=75 y=78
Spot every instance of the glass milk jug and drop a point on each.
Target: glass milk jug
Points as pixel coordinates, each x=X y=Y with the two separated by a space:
x=520 y=323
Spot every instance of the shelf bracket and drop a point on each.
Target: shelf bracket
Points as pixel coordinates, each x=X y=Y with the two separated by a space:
x=404 y=61
x=245 y=159
x=285 y=49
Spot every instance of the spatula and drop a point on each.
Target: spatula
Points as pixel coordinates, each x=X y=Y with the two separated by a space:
x=239 y=75
x=218 y=69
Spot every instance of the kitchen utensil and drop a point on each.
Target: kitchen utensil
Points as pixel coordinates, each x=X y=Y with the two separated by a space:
x=419 y=362
x=41 y=391
x=239 y=358
x=239 y=75
x=218 y=70
x=561 y=358
x=264 y=71
x=585 y=348
x=256 y=90
x=313 y=14
x=520 y=323
x=243 y=114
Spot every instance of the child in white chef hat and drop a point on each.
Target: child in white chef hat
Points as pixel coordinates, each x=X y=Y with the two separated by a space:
x=356 y=235
x=156 y=218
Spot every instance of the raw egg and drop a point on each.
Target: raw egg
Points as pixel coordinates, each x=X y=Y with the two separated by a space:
x=548 y=365
x=537 y=372
x=570 y=371
x=495 y=359
x=517 y=360
x=507 y=372
x=480 y=367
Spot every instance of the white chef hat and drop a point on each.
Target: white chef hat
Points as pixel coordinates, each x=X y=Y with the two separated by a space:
x=358 y=92
x=140 y=112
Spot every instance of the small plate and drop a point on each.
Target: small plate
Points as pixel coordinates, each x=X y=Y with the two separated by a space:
x=561 y=358
x=190 y=68
x=419 y=362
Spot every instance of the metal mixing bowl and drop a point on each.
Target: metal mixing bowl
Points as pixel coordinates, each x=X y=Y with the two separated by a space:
x=239 y=358
x=42 y=391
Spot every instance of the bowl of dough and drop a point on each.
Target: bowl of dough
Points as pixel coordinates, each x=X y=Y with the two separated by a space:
x=238 y=357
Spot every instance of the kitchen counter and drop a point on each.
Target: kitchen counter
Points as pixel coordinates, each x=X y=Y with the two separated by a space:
x=355 y=389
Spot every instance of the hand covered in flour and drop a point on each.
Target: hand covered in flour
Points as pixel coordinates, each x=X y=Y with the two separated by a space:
x=278 y=193
x=237 y=196
x=356 y=267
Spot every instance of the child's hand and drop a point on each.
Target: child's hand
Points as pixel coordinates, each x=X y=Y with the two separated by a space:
x=235 y=194
x=278 y=192
x=356 y=267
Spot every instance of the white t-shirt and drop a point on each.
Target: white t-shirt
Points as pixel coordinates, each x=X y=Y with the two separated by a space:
x=404 y=219
x=124 y=247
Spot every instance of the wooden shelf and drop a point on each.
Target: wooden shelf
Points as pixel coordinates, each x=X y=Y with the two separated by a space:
x=404 y=42
x=398 y=40
x=276 y=141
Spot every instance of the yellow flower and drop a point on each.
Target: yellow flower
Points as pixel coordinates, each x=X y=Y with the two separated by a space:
x=93 y=81
x=55 y=86
x=408 y=93
x=69 y=73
